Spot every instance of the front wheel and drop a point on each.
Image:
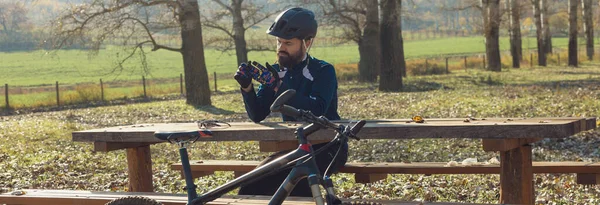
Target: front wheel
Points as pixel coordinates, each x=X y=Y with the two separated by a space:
x=134 y=200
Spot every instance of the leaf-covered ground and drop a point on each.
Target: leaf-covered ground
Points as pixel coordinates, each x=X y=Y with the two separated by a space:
x=36 y=150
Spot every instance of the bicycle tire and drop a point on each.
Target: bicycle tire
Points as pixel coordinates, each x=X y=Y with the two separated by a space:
x=133 y=200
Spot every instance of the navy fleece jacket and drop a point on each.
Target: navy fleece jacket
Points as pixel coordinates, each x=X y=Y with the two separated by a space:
x=316 y=90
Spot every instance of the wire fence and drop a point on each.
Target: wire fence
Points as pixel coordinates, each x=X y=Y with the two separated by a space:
x=58 y=94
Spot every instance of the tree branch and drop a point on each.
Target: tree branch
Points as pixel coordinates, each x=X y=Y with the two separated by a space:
x=224 y=5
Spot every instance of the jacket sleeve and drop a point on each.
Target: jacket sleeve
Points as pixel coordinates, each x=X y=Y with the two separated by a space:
x=322 y=92
x=258 y=104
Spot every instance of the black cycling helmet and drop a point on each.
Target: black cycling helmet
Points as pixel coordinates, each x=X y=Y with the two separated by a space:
x=294 y=23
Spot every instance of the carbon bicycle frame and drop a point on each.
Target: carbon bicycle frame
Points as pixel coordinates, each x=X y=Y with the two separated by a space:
x=303 y=168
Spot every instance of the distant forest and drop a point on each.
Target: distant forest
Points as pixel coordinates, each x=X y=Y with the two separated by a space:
x=24 y=24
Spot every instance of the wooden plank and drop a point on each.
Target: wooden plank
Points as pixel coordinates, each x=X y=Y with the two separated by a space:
x=404 y=168
x=139 y=164
x=503 y=145
x=591 y=123
x=369 y=178
x=492 y=128
x=111 y=146
x=64 y=197
x=275 y=146
x=516 y=176
x=587 y=178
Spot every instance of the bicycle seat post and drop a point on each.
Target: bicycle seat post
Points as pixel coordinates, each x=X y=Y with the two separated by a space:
x=187 y=170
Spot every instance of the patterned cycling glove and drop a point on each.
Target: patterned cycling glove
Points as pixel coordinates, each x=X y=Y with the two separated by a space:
x=242 y=76
x=267 y=76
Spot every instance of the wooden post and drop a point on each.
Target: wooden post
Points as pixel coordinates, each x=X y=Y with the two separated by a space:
x=139 y=164
x=57 y=95
x=516 y=176
x=558 y=55
x=483 y=62
x=181 y=83
x=531 y=60
x=215 y=74
x=144 y=85
x=465 y=57
x=447 y=71
x=6 y=96
x=426 y=65
x=101 y=90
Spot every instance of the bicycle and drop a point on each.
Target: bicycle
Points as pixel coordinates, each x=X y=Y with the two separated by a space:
x=302 y=159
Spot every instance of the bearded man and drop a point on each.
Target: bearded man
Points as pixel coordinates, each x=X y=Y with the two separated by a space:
x=314 y=81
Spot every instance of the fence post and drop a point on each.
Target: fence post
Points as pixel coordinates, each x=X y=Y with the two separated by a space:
x=558 y=55
x=447 y=71
x=531 y=60
x=6 y=95
x=484 y=62
x=465 y=57
x=426 y=65
x=181 y=83
x=144 y=84
x=102 y=90
x=215 y=74
x=57 y=95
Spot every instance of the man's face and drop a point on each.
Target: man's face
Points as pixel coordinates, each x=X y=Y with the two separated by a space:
x=290 y=51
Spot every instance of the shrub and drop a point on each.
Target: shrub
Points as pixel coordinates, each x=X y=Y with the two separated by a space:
x=425 y=67
x=346 y=72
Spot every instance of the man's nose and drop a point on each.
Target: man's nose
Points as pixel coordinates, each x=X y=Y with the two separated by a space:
x=281 y=48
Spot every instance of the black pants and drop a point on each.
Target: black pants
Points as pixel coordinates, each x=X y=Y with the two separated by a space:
x=270 y=184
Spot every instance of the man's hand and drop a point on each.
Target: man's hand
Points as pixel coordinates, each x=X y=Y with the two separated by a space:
x=264 y=75
x=242 y=76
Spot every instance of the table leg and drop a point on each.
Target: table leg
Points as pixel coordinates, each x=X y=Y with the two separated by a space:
x=516 y=176
x=139 y=163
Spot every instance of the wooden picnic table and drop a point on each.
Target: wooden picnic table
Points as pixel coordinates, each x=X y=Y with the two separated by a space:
x=509 y=136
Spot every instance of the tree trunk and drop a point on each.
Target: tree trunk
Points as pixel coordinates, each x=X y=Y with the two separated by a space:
x=546 y=26
x=588 y=27
x=540 y=36
x=400 y=41
x=516 y=49
x=196 y=78
x=239 y=33
x=491 y=16
x=573 y=33
x=392 y=53
x=369 y=46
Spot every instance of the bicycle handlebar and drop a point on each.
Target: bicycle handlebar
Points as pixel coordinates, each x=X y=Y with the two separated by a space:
x=279 y=106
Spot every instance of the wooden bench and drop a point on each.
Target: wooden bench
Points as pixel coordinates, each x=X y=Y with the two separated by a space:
x=67 y=197
x=587 y=172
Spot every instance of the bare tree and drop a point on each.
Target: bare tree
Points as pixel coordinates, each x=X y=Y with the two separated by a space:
x=588 y=27
x=573 y=33
x=13 y=16
x=546 y=26
x=491 y=22
x=93 y=23
x=392 y=51
x=516 y=50
x=540 y=31
x=359 y=20
x=243 y=15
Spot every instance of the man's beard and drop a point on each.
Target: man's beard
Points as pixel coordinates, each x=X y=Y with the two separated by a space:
x=287 y=60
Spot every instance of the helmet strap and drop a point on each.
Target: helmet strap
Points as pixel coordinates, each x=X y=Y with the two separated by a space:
x=307 y=49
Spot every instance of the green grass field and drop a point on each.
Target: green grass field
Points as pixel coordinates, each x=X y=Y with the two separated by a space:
x=77 y=66
x=34 y=74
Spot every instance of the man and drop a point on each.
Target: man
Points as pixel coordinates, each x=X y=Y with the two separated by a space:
x=314 y=81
